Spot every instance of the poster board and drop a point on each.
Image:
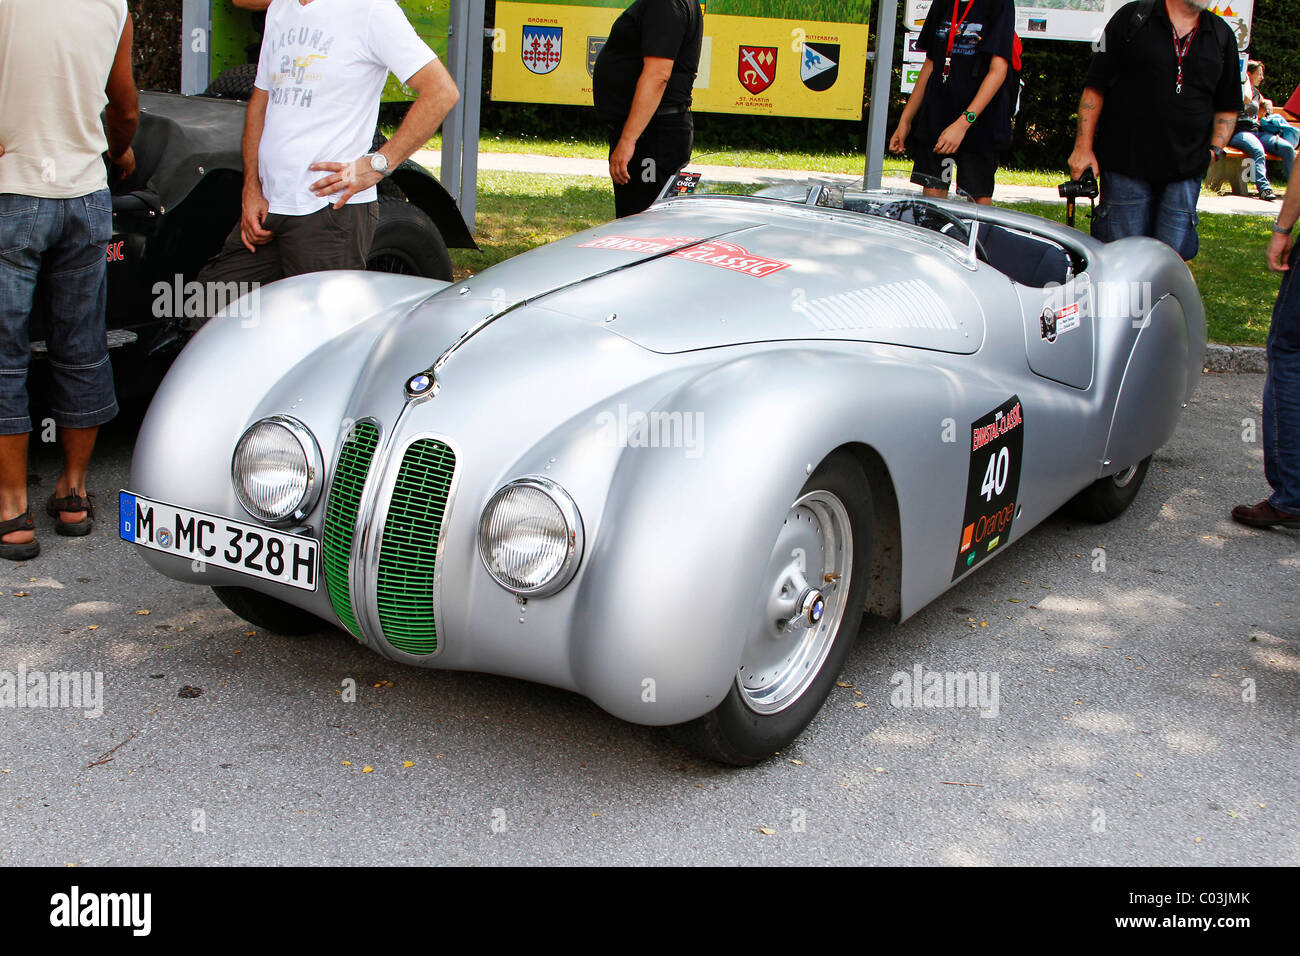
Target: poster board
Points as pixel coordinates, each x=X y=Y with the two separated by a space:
x=766 y=59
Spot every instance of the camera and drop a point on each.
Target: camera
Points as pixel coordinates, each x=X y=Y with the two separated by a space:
x=1085 y=187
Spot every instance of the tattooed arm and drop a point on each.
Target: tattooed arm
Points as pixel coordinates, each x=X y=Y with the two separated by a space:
x=1224 y=126
x=1089 y=113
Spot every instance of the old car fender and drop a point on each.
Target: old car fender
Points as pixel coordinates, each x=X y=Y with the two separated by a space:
x=295 y=348
x=671 y=581
x=1151 y=346
x=424 y=190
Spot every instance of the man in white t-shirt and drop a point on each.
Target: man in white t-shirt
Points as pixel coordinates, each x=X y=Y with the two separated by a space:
x=309 y=178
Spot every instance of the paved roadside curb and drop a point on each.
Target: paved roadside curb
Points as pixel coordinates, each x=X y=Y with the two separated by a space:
x=1235 y=358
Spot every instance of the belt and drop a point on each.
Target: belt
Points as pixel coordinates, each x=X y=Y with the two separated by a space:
x=673 y=110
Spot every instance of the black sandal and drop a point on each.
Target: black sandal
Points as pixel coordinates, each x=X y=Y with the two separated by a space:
x=73 y=502
x=19 y=552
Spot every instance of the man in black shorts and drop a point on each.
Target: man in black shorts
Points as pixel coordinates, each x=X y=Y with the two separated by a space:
x=642 y=88
x=961 y=111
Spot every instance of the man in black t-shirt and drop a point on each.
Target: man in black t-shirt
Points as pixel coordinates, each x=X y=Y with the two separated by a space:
x=1168 y=75
x=960 y=107
x=642 y=84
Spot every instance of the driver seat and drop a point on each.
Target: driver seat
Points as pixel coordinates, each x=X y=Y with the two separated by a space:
x=1028 y=260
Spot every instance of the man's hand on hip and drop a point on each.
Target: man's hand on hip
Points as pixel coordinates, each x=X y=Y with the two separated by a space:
x=348 y=178
x=250 y=223
x=619 y=157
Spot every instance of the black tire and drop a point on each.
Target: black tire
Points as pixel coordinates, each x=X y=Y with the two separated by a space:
x=235 y=83
x=1108 y=498
x=407 y=242
x=734 y=733
x=269 y=614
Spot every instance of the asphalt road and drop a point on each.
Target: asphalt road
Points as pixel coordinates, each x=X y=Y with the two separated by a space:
x=1122 y=734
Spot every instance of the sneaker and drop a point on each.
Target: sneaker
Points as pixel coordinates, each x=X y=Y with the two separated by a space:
x=1266 y=193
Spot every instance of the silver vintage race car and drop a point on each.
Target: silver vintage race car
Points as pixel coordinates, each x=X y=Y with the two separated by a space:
x=667 y=463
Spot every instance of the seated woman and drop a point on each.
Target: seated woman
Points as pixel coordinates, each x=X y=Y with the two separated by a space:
x=1256 y=142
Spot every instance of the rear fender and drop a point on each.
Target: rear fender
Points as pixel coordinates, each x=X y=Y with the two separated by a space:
x=424 y=191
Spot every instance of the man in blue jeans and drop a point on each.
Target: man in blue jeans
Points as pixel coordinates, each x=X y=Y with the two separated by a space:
x=1282 y=384
x=58 y=73
x=1167 y=74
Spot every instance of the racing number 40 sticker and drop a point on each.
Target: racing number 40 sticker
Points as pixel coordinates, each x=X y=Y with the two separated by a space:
x=997 y=441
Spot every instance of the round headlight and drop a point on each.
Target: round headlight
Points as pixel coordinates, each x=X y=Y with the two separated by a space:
x=530 y=537
x=276 y=470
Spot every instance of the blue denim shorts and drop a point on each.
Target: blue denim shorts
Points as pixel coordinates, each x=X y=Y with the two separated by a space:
x=1135 y=207
x=53 y=253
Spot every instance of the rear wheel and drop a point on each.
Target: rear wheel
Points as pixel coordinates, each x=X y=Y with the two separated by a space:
x=814 y=591
x=407 y=242
x=268 y=613
x=235 y=83
x=1108 y=498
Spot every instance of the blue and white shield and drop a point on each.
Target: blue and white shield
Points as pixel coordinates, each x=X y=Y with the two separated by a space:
x=541 y=51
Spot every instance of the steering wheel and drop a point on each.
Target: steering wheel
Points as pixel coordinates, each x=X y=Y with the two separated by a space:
x=929 y=216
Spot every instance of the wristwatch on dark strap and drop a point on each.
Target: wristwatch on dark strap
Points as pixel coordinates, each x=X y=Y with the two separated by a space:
x=971 y=116
x=1277 y=227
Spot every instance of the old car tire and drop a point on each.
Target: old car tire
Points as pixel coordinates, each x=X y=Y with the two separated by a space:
x=268 y=613
x=407 y=242
x=1107 y=498
x=737 y=732
x=235 y=83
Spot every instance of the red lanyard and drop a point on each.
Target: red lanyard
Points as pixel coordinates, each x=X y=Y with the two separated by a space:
x=1180 y=49
x=954 y=26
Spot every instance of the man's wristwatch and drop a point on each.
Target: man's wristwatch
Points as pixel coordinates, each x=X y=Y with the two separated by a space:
x=971 y=116
x=379 y=163
x=1280 y=231
x=1217 y=151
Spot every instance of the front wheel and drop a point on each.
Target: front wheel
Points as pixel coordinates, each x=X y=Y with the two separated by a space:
x=810 y=609
x=269 y=614
x=1108 y=498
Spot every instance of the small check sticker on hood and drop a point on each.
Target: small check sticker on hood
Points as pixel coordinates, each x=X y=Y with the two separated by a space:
x=712 y=252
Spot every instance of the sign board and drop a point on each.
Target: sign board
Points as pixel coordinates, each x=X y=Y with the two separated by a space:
x=782 y=59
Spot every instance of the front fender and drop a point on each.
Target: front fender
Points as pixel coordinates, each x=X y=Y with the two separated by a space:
x=672 y=583
x=294 y=347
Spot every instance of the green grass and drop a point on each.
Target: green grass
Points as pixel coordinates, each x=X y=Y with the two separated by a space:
x=848 y=164
x=822 y=11
x=518 y=211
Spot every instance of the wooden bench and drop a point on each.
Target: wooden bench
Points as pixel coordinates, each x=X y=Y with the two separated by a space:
x=1234 y=167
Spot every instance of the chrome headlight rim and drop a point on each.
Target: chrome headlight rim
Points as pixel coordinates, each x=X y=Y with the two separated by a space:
x=574 y=533
x=315 y=472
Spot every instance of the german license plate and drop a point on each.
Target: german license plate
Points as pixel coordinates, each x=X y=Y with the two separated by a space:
x=221 y=542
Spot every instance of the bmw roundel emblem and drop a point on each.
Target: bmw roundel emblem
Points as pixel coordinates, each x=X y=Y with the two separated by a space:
x=818 y=609
x=165 y=538
x=419 y=384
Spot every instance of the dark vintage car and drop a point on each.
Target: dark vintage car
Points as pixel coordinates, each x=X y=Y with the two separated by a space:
x=172 y=214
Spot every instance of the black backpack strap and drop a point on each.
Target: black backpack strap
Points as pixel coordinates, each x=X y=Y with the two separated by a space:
x=1141 y=14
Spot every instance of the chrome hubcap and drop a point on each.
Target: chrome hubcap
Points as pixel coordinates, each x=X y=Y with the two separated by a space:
x=808 y=578
x=1124 y=477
